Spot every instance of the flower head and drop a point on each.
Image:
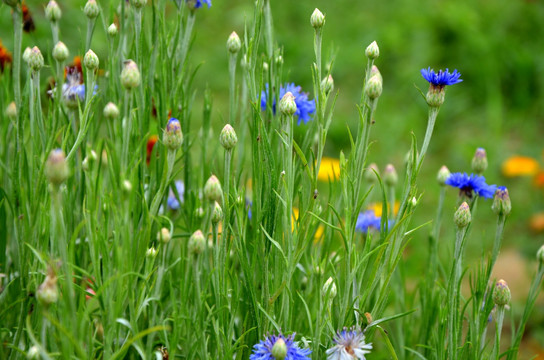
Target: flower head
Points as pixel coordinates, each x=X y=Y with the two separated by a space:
x=195 y=4
x=350 y=344
x=520 y=166
x=442 y=78
x=173 y=200
x=470 y=184
x=263 y=350
x=72 y=90
x=305 y=107
x=367 y=220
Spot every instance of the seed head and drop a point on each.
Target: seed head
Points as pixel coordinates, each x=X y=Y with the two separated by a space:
x=228 y=138
x=233 y=43
x=372 y=51
x=60 y=52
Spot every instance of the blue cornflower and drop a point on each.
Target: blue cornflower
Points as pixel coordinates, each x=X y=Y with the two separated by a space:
x=72 y=90
x=173 y=202
x=198 y=3
x=263 y=350
x=367 y=220
x=441 y=79
x=469 y=184
x=350 y=344
x=305 y=107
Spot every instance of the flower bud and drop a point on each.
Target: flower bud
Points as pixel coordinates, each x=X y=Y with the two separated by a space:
x=172 y=136
x=197 y=243
x=279 y=350
x=501 y=293
x=228 y=138
x=48 y=292
x=111 y=111
x=199 y=212
x=164 y=235
x=279 y=60
x=217 y=213
x=56 y=168
x=501 y=202
x=374 y=87
x=112 y=30
x=374 y=71
x=60 y=52
x=462 y=216
x=372 y=51
x=479 y=161
x=435 y=96
x=52 y=11
x=151 y=253
x=126 y=186
x=130 y=76
x=11 y=111
x=91 y=9
x=540 y=255
x=212 y=189
x=329 y=288
x=370 y=173
x=138 y=4
x=233 y=43
x=317 y=19
x=33 y=353
x=327 y=84
x=265 y=67
x=35 y=59
x=288 y=106
x=90 y=60
x=390 y=176
x=26 y=55
x=443 y=175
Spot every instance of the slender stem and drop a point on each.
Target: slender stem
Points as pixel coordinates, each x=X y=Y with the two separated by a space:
x=55 y=32
x=186 y=39
x=454 y=286
x=268 y=28
x=433 y=112
x=127 y=131
x=232 y=87
x=433 y=239
x=90 y=29
x=138 y=30
x=501 y=220
x=170 y=160
x=497 y=345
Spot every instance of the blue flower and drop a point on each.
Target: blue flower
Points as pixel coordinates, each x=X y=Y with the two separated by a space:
x=350 y=344
x=198 y=3
x=441 y=79
x=263 y=350
x=367 y=220
x=173 y=202
x=249 y=204
x=72 y=90
x=470 y=184
x=305 y=107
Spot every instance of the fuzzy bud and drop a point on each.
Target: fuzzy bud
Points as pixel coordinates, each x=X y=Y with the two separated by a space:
x=111 y=111
x=212 y=189
x=130 y=76
x=35 y=59
x=462 y=216
x=90 y=60
x=390 y=176
x=26 y=55
x=11 y=111
x=479 y=161
x=52 y=11
x=233 y=43
x=374 y=87
x=443 y=175
x=112 y=30
x=327 y=84
x=56 y=168
x=329 y=288
x=228 y=138
x=217 y=213
x=197 y=243
x=91 y=9
x=370 y=173
x=172 y=136
x=317 y=19
x=138 y=4
x=501 y=293
x=288 y=106
x=279 y=350
x=164 y=235
x=372 y=51
x=60 y=52
x=501 y=202
x=48 y=292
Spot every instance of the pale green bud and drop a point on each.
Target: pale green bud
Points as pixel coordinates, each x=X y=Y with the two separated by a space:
x=151 y=253
x=288 y=106
x=26 y=55
x=60 y=52
x=217 y=213
x=370 y=173
x=11 y=111
x=111 y=111
x=56 y=168
x=212 y=189
x=197 y=243
x=327 y=84
x=90 y=60
x=372 y=51
x=172 y=136
x=199 y=212
x=112 y=30
x=479 y=161
x=233 y=43
x=130 y=76
x=48 y=292
x=443 y=175
x=462 y=216
x=374 y=87
x=390 y=176
x=228 y=138
x=279 y=350
x=91 y=9
x=35 y=59
x=501 y=293
x=317 y=20
x=52 y=11
x=501 y=202
x=435 y=96
x=164 y=235
x=33 y=353
x=126 y=186
x=329 y=288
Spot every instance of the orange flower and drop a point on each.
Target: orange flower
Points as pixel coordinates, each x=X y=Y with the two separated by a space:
x=537 y=222
x=519 y=166
x=329 y=169
x=5 y=57
x=150 y=144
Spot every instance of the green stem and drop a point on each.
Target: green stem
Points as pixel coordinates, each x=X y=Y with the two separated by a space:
x=170 y=160
x=186 y=39
x=90 y=29
x=138 y=31
x=55 y=32
x=268 y=28
x=433 y=112
x=127 y=130
x=232 y=87
x=497 y=345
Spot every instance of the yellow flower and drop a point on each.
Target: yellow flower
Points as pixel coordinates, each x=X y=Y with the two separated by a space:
x=329 y=169
x=519 y=166
x=377 y=208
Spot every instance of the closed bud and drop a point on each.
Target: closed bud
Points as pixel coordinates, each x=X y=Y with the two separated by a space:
x=372 y=51
x=138 y=4
x=217 y=213
x=90 y=60
x=462 y=216
x=228 y=138
x=390 y=176
x=11 y=111
x=443 y=175
x=111 y=111
x=91 y=9
x=233 y=43
x=374 y=87
x=35 y=59
x=56 y=168
x=501 y=202
x=374 y=71
x=435 y=96
x=501 y=293
x=172 y=136
x=126 y=186
x=199 y=212
x=60 y=52
x=287 y=104
x=317 y=19
x=130 y=76
x=212 y=189
x=151 y=253
x=479 y=161
x=370 y=173
x=164 y=235
x=112 y=30
x=48 y=292
x=329 y=288
x=327 y=84
x=197 y=243
x=26 y=55
x=52 y=11
x=33 y=353
x=540 y=255
x=279 y=350
x=265 y=67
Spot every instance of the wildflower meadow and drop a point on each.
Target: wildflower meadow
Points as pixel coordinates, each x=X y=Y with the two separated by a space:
x=145 y=214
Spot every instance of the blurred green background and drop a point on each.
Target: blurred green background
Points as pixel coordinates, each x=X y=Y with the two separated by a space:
x=497 y=45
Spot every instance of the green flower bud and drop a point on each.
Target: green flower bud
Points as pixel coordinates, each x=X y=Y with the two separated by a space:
x=164 y=235
x=479 y=161
x=279 y=60
x=138 y=4
x=327 y=84
x=435 y=96
x=233 y=43
x=52 y=11
x=56 y=168
x=11 y=111
x=130 y=76
x=540 y=255
x=462 y=216
x=151 y=253
x=112 y=30
x=26 y=55
x=126 y=187
x=199 y=212
x=288 y=106
x=390 y=176
x=197 y=243
x=212 y=189
x=374 y=87
x=111 y=111
x=374 y=71
x=329 y=288
x=90 y=60
x=317 y=19
x=279 y=350
x=172 y=136
x=501 y=293
x=35 y=59
x=91 y=9
x=370 y=173
x=372 y=51
x=443 y=175
x=48 y=292
x=33 y=353
x=228 y=138
x=217 y=213
x=501 y=202
x=60 y=52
